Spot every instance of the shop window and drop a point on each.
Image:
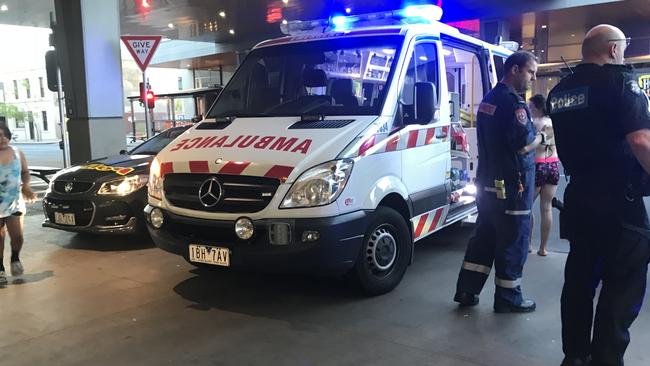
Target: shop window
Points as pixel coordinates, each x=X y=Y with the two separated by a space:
x=40 y=85
x=15 y=89
x=28 y=90
x=44 y=114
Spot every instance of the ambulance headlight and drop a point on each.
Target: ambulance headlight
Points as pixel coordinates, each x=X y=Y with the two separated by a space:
x=320 y=185
x=155 y=186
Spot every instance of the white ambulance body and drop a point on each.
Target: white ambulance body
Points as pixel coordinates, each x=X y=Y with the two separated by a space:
x=330 y=151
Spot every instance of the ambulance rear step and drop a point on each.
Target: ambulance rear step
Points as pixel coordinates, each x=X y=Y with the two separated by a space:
x=462 y=211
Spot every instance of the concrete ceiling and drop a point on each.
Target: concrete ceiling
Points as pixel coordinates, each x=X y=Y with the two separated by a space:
x=250 y=20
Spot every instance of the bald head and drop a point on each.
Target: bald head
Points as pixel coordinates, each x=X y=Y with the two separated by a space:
x=604 y=44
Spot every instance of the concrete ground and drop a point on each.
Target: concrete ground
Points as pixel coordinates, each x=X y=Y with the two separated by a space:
x=120 y=301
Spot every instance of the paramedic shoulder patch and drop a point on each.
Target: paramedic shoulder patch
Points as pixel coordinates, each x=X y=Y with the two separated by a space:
x=567 y=100
x=487 y=108
x=522 y=116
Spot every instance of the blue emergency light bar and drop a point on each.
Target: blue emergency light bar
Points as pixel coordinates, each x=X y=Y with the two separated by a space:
x=414 y=14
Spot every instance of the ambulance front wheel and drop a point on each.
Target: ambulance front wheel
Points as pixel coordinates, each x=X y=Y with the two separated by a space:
x=385 y=252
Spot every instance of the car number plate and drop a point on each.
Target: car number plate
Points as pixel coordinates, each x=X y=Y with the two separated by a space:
x=210 y=255
x=64 y=218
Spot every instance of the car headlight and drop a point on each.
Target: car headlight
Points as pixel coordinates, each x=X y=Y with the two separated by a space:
x=155 y=180
x=123 y=186
x=320 y=185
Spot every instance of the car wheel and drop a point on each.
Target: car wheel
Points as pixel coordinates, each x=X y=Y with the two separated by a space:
x=385 y=252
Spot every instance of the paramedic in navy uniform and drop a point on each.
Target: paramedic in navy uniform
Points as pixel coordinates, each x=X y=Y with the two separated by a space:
x=602 y=131
x=506 y=182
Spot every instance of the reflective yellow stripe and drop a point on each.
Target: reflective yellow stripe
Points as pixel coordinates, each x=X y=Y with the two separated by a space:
x=518 y=213
x=477 y=267
x=507 y=283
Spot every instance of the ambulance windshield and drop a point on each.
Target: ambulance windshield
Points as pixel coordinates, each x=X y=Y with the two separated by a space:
x=335 y=76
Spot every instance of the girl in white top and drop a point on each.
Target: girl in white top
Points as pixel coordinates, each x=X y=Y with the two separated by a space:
x=14 y=190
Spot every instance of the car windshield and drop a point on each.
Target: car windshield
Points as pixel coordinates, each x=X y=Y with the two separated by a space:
x=158 y=142
x=344 y=76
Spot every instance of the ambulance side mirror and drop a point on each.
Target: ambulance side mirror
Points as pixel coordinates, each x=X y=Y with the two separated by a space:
x=426 y=102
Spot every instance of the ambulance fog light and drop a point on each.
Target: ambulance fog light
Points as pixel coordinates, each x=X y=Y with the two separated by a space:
x=157 y=218
x=310 y=235
x=244 y=228
x=280 y=233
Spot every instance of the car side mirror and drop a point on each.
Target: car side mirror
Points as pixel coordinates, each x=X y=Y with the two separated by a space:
x=426 y=102
x=197 y=118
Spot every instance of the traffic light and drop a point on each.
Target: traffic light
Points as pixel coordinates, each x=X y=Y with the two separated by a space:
x=143 y=93
x=151 y=99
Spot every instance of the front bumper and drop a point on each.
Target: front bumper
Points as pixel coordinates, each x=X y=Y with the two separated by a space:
x=333 y=253
x=95 y=214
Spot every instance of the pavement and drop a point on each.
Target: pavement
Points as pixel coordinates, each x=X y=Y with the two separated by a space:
x=102 y=300
x=87 y=300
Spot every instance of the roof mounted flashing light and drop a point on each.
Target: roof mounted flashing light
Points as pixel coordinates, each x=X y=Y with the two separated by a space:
x=414 y=14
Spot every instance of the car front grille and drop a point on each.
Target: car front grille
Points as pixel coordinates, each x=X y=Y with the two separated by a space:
x=82 y=210
x=73 y=187
x=239 y=193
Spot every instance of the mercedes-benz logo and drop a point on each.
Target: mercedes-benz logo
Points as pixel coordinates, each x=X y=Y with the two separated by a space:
x=210 y=192
x=68 y=187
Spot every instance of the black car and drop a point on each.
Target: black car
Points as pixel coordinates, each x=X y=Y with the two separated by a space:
x=105 y=195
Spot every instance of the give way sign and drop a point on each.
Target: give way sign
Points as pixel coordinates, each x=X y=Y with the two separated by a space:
x=141 y=48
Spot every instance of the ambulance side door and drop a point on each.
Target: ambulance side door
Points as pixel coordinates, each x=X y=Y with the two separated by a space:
x=425 y=158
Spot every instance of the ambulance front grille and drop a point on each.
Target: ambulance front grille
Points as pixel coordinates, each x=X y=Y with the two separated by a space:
x=239 y=193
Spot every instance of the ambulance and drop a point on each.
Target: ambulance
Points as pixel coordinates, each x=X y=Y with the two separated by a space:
x=331 y=151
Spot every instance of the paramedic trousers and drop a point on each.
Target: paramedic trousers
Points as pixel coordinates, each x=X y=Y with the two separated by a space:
x=501 y=239
x=619 y=258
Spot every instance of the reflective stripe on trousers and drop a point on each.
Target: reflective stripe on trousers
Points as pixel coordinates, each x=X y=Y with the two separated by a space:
x=474 y=267
x=507 y=283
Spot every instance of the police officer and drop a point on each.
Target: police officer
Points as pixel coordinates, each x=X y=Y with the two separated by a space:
x=505 y=180
x=602 y=131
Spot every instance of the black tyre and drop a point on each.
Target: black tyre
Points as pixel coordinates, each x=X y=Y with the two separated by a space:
x=385 y=253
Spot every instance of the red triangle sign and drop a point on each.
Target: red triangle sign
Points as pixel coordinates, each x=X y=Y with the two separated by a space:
x=141 y=48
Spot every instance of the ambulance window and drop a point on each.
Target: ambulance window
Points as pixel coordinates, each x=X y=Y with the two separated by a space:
x=465 y=78
x=423 y=67
x=499 y=61
x=328 y=76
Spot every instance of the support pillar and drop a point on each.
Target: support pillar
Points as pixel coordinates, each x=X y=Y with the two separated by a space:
x=87 y=36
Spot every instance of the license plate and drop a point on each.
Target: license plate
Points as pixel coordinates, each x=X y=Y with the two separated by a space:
x=210 y=255
x=64 y=218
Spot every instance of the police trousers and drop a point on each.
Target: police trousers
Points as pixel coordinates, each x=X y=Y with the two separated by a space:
x=618 y=258
x=501 y=239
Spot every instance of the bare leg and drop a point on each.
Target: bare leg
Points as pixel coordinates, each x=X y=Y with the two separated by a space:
x=15 y=229
x=547 y=194
x=532 y=220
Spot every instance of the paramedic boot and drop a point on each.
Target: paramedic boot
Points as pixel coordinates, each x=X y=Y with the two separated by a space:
x=525 y=306
x=576 y=361
x=466 y=299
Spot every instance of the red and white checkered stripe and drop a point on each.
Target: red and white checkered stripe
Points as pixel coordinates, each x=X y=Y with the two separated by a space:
x=403 y=140
x=280 y=172
x=428 y=222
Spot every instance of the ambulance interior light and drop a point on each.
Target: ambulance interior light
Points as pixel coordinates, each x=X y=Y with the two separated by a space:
x=412 y=14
